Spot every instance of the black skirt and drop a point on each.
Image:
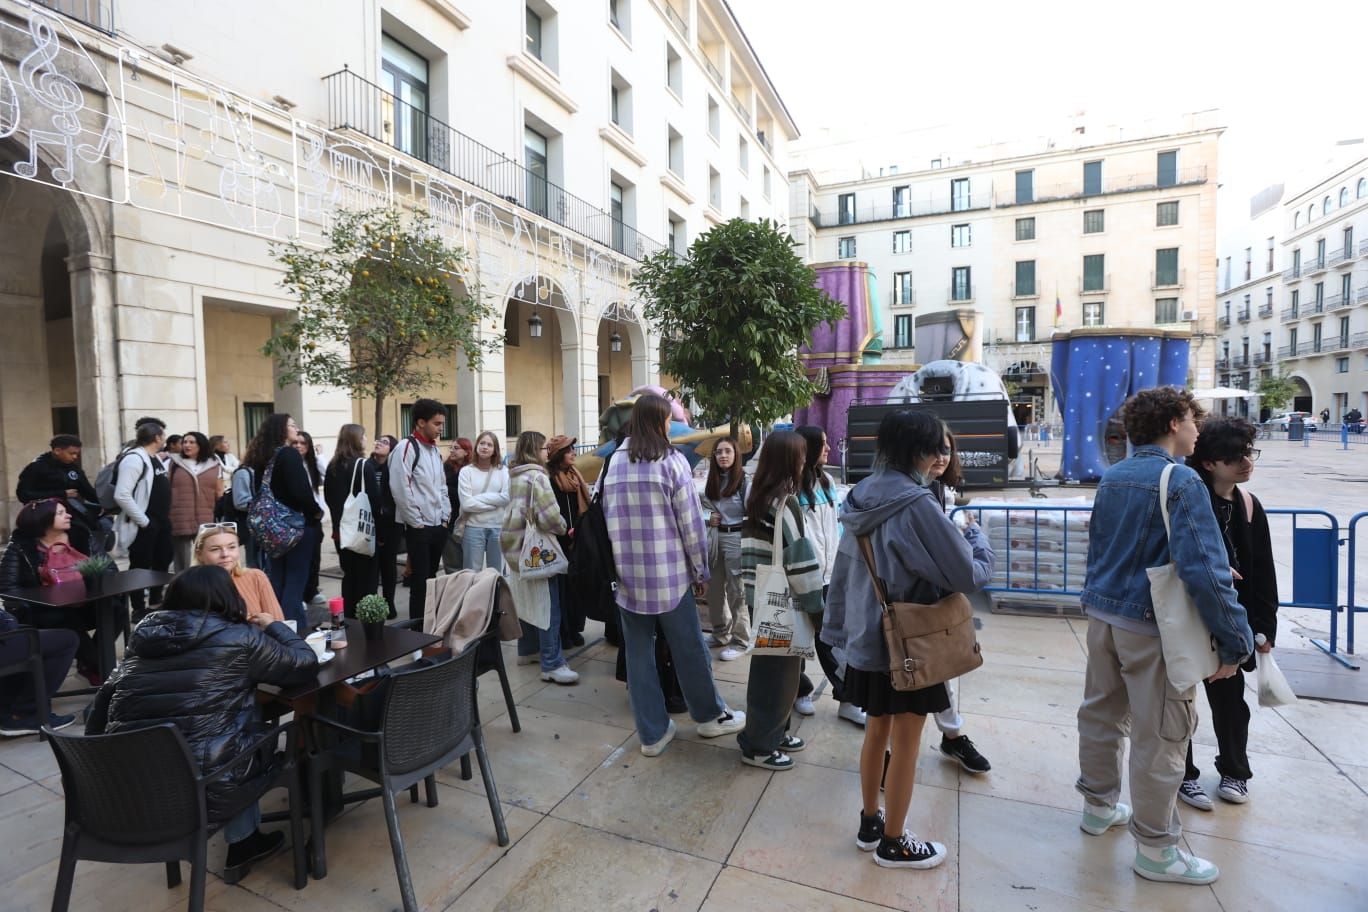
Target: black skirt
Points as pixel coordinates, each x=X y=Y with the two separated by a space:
x=873 y=692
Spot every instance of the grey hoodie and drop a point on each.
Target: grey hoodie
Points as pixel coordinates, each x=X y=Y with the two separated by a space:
x=919 y=553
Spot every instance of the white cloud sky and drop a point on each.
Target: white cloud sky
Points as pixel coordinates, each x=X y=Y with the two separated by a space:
x=1284 y=76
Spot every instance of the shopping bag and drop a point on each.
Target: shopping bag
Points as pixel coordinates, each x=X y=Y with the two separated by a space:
x=1273 y=687
x=778 y=627
x=541 y=556
x=356 y=530
x=1189 y=649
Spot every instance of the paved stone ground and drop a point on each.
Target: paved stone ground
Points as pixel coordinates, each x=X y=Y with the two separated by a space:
x=597 y=826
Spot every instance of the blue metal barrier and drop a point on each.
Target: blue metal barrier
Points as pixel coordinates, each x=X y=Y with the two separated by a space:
x=1351 y=605
x=1315 y=573
x=1067 y=586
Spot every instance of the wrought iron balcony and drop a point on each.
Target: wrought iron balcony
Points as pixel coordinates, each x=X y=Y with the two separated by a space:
x=1244 y=315
x=1361 y=296
x=1128 y=183
x=1261 y=358
x=1338 y=301
x=1265 y=310
x=355 y=103
x=98 y=14
x=1363 y=248
x=906 y=209
x=1360 y=340
x=1222 y=364
x=1340 y=257
x=1222 y=322
x=1290 y=313
x=904 y=297
x=1240 y=362
x=966 y=295
x=1314 y=267
x=1335 y=343
x=1292 y=274
x=1287 y=351
x=713 y=71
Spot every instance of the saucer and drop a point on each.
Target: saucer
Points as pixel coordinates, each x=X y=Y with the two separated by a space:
x=326 y=657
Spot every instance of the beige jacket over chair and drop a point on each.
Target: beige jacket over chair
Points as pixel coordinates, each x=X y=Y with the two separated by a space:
x=460 y=608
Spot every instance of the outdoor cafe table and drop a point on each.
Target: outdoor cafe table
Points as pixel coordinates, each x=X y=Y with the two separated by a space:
x=316 y=696
x=110 y=590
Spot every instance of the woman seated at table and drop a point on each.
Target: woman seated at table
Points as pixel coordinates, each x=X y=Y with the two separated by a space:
x=197 y=662
x=18 y=710
x=40 y=553
x=217 y=545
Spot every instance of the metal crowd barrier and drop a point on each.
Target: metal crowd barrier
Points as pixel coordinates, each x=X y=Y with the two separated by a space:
x=1027 y=541
x=1351 y=604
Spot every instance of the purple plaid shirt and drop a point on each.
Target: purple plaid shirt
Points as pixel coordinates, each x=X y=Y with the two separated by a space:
x=656 y=527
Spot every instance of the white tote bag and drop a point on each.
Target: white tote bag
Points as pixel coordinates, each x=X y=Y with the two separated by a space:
x=777 y=626
x=356 y=531
x=1189 y=649
x=541 y=556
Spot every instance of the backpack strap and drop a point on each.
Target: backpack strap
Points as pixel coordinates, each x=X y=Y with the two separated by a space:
x=1248 y=504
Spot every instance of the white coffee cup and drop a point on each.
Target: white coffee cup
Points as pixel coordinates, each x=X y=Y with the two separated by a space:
x=318 y=642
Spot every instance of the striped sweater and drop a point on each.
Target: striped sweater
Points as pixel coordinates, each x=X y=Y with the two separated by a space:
x=801 y=563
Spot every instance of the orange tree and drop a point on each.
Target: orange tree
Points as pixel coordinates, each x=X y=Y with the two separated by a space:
x=376 y=303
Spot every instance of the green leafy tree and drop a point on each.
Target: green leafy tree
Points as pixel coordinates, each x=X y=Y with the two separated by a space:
x=732 y=315
x=1275 y=391
x=375 y=304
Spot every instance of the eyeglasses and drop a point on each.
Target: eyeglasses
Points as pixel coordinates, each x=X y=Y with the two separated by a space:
x=1251 y=454
x=218 y=526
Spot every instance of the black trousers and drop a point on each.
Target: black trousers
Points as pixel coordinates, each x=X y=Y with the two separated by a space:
x=16 y=691
x=425 y=557
x=1230 y=720
x=360 y=578
x=391 y=538
x=151 y=550
x=830 y=667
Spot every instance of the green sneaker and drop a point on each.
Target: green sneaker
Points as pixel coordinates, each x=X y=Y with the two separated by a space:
x=1177 y=866
x=1095 y=823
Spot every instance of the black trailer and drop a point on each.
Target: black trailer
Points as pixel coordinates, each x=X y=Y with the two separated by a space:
x=987 y=442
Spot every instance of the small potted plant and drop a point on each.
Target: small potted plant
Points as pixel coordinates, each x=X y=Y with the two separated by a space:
x=372 y=611
x=92 y=568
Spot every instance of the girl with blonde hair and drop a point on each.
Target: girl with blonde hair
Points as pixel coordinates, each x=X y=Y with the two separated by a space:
x=218 y=545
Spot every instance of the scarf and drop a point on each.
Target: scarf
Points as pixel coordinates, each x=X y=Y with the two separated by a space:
x=569 y=480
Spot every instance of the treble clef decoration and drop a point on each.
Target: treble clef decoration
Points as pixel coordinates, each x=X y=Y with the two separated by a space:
x=9 y=105
x=53 y=90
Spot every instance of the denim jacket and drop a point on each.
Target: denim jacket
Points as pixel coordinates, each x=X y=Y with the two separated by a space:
x=1126 y=536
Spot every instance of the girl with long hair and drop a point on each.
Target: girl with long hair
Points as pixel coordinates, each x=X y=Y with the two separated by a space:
x=349 y=474
x=313 y=464
x=389 y=533
x=772 y=686
x=484 y=496
x=920 y=556
x=219 y=545
x=533 y=503
x=458 y=457
x=659 y=543
x=724 y=499
x=273 y=448
x=197 y=479
x=572 y=496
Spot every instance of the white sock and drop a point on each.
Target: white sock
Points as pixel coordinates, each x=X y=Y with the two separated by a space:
x=1154 y=853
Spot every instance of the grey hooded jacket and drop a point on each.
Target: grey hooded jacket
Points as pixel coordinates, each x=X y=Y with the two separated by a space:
x=919 y=553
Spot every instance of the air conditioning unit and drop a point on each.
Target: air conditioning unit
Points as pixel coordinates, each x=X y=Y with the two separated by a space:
x=1189 y=316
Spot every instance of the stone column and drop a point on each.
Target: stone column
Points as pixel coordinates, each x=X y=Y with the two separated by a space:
x=95 y=337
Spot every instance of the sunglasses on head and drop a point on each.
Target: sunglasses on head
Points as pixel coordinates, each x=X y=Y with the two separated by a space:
x=219 y=526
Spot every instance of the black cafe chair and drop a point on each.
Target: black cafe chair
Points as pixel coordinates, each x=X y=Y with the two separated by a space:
x=428 y=719
x=31 y=665
x=138 y=797
x=490 y=658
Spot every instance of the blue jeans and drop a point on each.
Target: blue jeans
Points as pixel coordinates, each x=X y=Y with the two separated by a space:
x=243 y=824
x=480 y=549
x=546 y=642
x=289 y=575
x=690 y=654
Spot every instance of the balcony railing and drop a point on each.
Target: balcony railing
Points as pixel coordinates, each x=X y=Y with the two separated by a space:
x=1361 y=296
x=1291 y=313
x=1315 y=266
x=1338 y=301
x=1311 y=348
x=907 y=209
x=1363 y=248
x=1129 y=183
x=1244 y=315
x=1223 y=322
x=1287 y=351
x=741 y=108
x=677 y=20
x=1292 y=274
x=1222 y=364
x=1239 y=362
x=1360 y=340
x=1265 y=310
x=1166 y=280
x=713 y=71
x=357 y=104
x=1343 y=255
x=98 y=14
x=1261 y=358
x=1335 y=343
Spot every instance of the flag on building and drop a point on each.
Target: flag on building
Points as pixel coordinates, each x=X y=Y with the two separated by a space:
x=1059 y=308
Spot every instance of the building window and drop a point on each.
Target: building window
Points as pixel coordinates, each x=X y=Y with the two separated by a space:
x=1166 y=213
x=845 y=248
x=1296 y=220
x=1025 y=284
x=1094 y=221
x=1268 y=346
x=1295 y=301
x=1092 y=313
x=961 y=288
x=743 y=208
x=1343 y=197
x=902 y=242
x=1165 y=310
x=1346 y=287
x=1167 y=169
x=1095 y=272
x=674 y=71
x=253 y=415
x=714 y=118
x=620 y=16
x=1092 y=178
x=615 y=196
x=714 y=189
x=1316 y=337
x=1025 y=187
x=1025 y=229
x=742 y=155
x=902 y=288
x=902 y=331
x=1348 y=242
x=1320 y=296
x=902 y=202
x=620 y=102
x=1249 y=263
x=679 y=242
x=1292 y=341
x=960 y=235
x=1025 y=324
x=404 y=76
x=1344 y=331
x=765 y=180
x=1269 y=267
x=1320 y=252
x=512 y=420
x=535 y=155
x=1325 y=206
x=1166 y=267
x=1341 y=365
x=676 y=147
x=845 y=209
x=534 y=33
x=959 y=194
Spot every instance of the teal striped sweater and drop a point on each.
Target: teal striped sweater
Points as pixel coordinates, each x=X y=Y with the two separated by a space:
x=801 y=563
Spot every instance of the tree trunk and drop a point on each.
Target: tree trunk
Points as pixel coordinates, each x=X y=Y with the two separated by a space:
x=379 y=412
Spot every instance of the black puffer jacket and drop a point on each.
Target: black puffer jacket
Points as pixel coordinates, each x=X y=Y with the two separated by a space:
x=200 y=670
x=19 y=567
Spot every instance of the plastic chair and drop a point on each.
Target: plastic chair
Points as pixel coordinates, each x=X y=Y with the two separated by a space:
x=428 y=720
x=490 y=658
x=138 y=796
x=31 y=665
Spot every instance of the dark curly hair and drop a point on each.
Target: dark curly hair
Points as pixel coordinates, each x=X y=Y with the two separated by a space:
x=1149 y=414
x=1221 y=440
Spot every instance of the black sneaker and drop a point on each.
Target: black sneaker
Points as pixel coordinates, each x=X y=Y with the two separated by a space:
x=15 y=726
x=57 y=723
x=963 y=750
x=242 y=855
x=871 y=831
x=907 y=851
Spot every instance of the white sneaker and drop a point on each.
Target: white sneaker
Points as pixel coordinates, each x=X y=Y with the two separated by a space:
x=730 y=722
x=731 y=653
x=1236 y=791
x=1097 y=820
x=852 y=713
x=803 y=706
x=562 y=675
x=655 y=750
x=1174 y=866
x=1192 y=795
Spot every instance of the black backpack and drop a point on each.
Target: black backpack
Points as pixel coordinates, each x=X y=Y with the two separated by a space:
x=593 y=571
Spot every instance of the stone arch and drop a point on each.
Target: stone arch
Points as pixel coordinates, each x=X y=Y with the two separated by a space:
x=1305 y=394
x=620 y=372
x=543 y=377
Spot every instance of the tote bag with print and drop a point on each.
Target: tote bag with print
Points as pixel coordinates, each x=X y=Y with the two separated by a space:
x=356 y=530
